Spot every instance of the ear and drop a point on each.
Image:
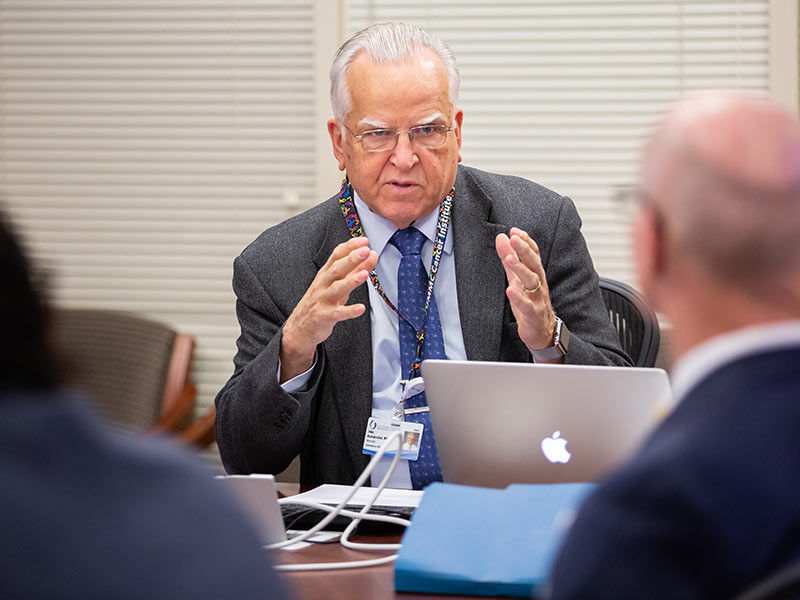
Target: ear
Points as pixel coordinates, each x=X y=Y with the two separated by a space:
x=335 y=131
x=649 y=252
x=459 y=118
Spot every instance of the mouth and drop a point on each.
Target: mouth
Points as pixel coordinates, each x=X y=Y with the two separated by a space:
x=401 y=185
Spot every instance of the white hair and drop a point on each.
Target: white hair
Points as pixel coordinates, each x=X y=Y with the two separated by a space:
x=386 y=43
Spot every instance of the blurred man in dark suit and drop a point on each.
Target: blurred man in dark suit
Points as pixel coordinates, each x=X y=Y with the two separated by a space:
x=709 y=506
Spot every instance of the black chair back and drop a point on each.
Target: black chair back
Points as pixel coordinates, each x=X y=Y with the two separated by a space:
x=636 y=324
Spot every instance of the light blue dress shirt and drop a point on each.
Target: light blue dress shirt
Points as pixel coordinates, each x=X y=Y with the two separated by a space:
x=386 y=376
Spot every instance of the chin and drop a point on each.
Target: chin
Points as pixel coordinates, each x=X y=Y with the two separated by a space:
x=402 y=217
x=402 y=222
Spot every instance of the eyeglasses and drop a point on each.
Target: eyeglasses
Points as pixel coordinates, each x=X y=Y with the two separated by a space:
x=422 y=136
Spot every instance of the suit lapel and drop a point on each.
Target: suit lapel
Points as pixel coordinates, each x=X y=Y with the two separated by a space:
x=348 y=352
x=480 y=278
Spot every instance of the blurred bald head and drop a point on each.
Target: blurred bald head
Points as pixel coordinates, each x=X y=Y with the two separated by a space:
x=720 y=179
x=724 y=169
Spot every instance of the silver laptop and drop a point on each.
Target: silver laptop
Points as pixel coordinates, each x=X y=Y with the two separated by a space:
x=503 y=423
x=258 y=498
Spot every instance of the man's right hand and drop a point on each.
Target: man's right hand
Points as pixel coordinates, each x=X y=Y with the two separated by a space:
x=323 y=305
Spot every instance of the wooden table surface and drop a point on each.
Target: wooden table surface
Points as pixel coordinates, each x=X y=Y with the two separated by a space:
x=365 y=583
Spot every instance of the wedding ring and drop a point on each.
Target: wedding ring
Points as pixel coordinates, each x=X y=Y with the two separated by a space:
x=534 y=290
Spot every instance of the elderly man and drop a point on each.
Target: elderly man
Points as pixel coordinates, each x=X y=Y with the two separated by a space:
x=710 y=505
x=309 y=374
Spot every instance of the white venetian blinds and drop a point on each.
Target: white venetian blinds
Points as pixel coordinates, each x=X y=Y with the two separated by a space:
x=562 y=92
x=144 y=143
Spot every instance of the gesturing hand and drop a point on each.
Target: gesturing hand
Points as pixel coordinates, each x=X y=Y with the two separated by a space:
x=323 y=305
x=527 y=288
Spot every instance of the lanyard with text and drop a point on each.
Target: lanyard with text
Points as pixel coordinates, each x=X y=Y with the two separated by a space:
x=350 y=213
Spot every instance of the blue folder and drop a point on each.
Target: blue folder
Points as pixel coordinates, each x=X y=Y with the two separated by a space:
x=486 y=542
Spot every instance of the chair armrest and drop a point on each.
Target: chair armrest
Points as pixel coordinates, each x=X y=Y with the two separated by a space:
x=180 y=364
x=179 y=415
x=201 y=432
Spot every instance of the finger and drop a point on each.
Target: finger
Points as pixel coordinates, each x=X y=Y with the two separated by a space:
x=527 y=250
x=339 y=291
x=527 y=239
x=530 y=290
x=345 y=265
x=528 y=253
x=517 y=297
x=522 y=304
x=520 y=244
x=523 y=275
x=503 y=245
x=506 y=253
x=369 y=263
x=348 y=311
x=512 y=266
x=345 y=248
x=529 y=268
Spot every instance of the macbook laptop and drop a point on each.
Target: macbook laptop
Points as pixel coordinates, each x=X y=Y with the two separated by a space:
x=503 y=423
x=258 y=498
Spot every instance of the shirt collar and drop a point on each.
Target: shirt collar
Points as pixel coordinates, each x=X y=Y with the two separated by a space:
x=710 y=355
x=380 y=230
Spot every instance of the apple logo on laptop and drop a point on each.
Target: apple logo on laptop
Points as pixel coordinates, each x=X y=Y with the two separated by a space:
x=555 y=448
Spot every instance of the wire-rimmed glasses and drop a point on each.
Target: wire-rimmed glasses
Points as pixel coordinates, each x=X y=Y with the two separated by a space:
x=422 y=136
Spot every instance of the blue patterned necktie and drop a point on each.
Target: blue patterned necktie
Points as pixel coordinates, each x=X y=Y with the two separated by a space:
x=412 y=288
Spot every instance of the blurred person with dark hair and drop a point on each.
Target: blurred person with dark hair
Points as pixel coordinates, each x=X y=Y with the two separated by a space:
x=90 y=513
x=26 y=359
x=710 y=506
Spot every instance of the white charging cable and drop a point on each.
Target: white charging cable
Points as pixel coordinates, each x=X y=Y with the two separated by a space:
x=355 y=516
x=363 y=514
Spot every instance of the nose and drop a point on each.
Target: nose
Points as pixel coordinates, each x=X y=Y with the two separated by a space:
x=404 y=155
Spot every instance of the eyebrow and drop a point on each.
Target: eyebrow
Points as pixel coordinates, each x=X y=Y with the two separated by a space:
x=381 y=125
x=373 y=123
x=430 y=119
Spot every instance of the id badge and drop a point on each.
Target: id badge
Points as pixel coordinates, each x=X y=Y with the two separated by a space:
x=379 y=430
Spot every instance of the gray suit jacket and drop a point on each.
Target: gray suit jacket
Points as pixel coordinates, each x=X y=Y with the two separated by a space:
x=261 y=428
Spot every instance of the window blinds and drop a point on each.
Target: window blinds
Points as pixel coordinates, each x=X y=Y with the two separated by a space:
x=562 y=92
x=145 y=143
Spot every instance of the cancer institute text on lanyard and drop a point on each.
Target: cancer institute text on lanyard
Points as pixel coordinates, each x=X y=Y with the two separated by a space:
x=350 y=213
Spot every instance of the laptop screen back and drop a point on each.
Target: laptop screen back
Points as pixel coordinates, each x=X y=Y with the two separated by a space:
x=503 y=423
x=258 y=498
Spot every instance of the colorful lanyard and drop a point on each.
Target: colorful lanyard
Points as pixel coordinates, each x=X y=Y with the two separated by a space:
x=348 y=206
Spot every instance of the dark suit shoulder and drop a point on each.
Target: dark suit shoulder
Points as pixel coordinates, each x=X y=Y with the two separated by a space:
x=705 y=507
x=294 y=235
x=510 y=200
x=496 y=184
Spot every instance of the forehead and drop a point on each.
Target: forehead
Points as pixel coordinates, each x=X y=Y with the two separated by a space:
x=398 y=93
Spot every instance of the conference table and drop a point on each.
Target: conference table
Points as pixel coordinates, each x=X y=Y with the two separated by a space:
x=365 y=583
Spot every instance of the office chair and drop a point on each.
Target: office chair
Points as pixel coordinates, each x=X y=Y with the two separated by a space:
x=134 y=370
x=636 y=324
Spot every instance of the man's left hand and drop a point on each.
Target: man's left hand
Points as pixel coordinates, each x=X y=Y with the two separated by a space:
x=527 y=288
